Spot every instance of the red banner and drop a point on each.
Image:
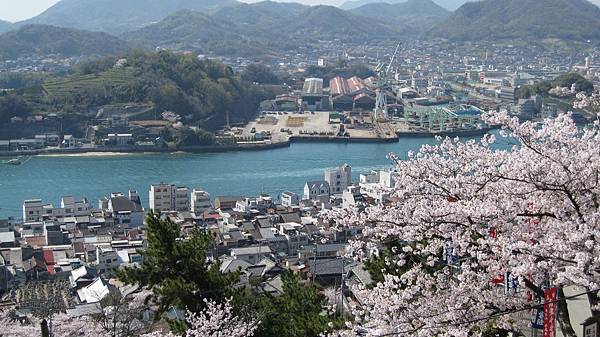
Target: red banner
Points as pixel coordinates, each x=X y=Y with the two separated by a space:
x=550 y=305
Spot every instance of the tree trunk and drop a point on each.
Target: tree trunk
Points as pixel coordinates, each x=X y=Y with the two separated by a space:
x=594 y=300
x=45 y=330
x=563 y=317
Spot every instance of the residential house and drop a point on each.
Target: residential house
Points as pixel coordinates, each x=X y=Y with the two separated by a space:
x=251 y=254
x=127 y=212
x=316 y=190
x=289 y=199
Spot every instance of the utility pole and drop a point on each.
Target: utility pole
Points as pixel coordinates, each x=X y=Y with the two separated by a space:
x=342 y=289
x=315 y=262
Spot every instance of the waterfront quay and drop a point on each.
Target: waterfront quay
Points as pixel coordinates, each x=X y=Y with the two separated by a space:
x=282 y=126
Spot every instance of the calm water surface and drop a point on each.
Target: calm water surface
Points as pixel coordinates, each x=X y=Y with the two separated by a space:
x=232 y=173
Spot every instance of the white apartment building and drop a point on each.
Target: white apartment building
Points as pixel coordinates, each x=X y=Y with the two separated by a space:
x=168 y=198
x=35 y=210
x=200 y=201
x=376 y=184
x=339 y=178
x=289 y=199
x=32 y=210
x=75 y=208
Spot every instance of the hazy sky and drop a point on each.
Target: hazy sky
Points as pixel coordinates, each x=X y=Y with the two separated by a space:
x=307 y=2
x=16 y=10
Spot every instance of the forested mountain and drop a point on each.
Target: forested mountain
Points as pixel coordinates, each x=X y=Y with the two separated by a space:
x=450 y=5
x=352 y=4
x=5 y=26
x=279 y=8
x=412 y=17
x=32 y=40
x=118 y=16
x=248 y=29
x=327 y=22
x=201 y=91
x=201 y=33
x=518 y=19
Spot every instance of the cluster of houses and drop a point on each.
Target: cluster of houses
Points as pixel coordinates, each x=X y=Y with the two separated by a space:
x=38 y=142
x=77 y=246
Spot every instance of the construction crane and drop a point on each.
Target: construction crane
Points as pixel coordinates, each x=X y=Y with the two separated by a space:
x=382 y=84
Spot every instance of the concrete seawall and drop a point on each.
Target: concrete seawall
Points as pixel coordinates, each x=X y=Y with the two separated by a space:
x=244 y=146
x=200 y=149
x=327 y=139
x=459 y=133
x=144 y=149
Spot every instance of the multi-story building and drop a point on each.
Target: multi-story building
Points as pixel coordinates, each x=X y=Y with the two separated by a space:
x=169 y=198
x=339 y=178
x=32 y=210
x=35 y=210
x=126 y=211
x=181 y=199
x=200 y=201
x=507 y=94
x=74 y=207
x=295 y=237
x=289 y=199
x=527 y=108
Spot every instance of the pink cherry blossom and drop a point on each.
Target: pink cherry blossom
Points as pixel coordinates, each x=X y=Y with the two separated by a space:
x=217 y=320
x=469 y=215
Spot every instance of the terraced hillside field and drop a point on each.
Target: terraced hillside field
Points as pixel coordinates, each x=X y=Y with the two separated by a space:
x=84 y=83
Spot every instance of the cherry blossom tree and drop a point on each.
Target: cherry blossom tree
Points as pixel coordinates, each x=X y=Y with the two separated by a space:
x=588 y=102
x=116 y=315
x=60 y=325
x=563 y=91
x=217 y=320
x=466 y=216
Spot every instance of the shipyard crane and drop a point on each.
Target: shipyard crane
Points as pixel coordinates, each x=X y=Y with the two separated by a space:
x=382 y=85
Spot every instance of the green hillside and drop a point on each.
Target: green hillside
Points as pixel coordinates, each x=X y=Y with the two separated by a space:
x=39 y=40
x=118 y=16
x=195 y=31
x=412 y=17
x=203 y=91
x=260 y=28
x=77 y=84
x=328 y=23
x=518 y=19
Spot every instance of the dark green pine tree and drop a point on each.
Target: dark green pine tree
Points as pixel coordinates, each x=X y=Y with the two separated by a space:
x=301 y=311
x=176 y=268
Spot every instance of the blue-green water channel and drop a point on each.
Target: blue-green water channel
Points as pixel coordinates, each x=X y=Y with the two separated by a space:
x=230 y=173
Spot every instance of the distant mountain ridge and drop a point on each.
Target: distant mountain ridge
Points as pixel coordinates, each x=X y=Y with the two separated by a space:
x=5 y=26
x=449 y=5
x=41 y=40
x=413 y=17
x=260 y=27
x=353 y=4
x=520 y=19
x=118 y=16
x=190 y=30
